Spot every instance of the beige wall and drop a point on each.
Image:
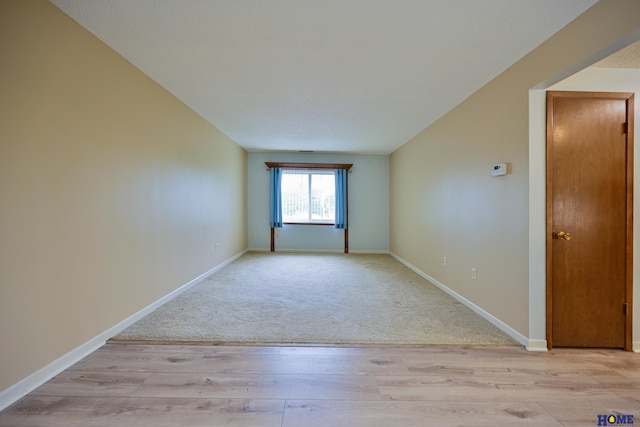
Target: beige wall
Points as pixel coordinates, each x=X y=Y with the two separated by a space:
x=444 y=201
x=112 y=192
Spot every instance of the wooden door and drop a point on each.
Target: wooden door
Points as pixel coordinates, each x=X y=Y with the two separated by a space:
x=589 y=219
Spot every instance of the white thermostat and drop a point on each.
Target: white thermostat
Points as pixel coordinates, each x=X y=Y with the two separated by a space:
x=499 y=169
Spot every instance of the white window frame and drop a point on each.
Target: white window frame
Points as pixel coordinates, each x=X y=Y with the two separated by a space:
x=309 y=173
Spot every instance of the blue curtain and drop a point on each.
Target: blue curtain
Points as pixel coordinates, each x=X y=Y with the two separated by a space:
x=276 y=198
x=341 y=198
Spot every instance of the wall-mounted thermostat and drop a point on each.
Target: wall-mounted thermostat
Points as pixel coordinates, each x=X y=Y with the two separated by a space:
x=499 y=169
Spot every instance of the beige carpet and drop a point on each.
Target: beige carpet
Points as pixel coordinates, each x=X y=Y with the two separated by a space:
x=319 y=299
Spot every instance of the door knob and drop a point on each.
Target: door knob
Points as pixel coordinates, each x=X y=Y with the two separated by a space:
x=562 y=235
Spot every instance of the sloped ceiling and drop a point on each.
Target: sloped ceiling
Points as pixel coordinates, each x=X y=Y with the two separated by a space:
x=322 y=75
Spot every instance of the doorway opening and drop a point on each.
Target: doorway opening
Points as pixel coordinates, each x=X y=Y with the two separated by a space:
x=589 y=207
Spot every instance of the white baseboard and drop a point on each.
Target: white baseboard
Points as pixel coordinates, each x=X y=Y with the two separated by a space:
x=165 y=299
x=35 y=380
x=636 y=347
x=537 y=345
x=533 y=345
x=322 y=251
x=309 y=251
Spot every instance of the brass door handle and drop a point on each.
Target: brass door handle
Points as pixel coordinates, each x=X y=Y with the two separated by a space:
x=562 y=235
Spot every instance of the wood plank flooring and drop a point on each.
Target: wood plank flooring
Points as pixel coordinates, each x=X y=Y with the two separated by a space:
x=282 y=386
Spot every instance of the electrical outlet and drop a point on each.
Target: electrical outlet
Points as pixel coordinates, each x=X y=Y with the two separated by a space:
x=216 y=246
x=474 y=273
x=444 y=261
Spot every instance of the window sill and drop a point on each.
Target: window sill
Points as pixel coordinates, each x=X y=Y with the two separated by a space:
x=310 y=223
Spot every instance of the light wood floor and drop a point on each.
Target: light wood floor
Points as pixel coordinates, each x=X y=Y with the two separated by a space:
x=161 y=385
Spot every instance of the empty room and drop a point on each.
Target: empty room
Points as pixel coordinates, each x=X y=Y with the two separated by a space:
x=284 y=213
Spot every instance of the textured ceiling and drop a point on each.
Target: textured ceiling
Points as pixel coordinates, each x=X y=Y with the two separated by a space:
x=329 y=76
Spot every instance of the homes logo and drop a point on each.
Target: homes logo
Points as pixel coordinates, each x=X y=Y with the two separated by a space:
x=615 y=420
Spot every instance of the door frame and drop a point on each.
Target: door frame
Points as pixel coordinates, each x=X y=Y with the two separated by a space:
x=629 y=97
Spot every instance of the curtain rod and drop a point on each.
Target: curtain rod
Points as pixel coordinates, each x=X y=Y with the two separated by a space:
x=286 y=165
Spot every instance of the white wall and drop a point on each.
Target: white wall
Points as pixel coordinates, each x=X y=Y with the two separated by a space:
x=368 y=205
x=590 y=79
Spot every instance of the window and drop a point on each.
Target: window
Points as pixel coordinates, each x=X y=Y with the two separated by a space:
x=308 y=196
